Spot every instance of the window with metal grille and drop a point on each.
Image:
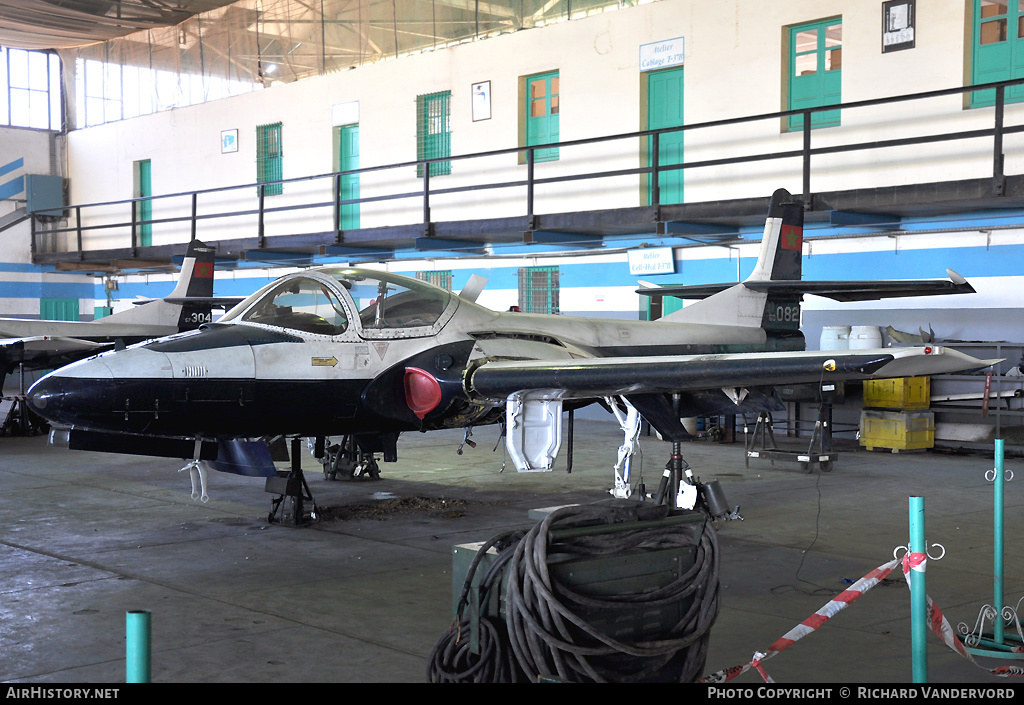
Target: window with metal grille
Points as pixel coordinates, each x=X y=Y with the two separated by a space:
x=438 y=277
x=538 y=289
x=269 y=161
x=434 y=131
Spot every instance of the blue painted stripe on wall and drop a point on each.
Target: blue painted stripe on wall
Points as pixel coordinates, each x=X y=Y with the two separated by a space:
x=8 y=168
x=24 y=268
x=54 y=290
x=12 y=187
x=1003 y=260
x=999 y=260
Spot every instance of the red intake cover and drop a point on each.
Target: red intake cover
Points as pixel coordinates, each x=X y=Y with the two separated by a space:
x=422 y=391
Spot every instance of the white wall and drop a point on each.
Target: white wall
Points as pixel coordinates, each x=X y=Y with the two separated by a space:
x=734 y=67
x=21 y=283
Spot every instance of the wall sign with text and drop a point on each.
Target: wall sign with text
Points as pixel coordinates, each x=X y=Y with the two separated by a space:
x=898 y=20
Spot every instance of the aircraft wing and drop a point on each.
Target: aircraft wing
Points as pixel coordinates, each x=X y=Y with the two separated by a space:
x=615 y=376
x=837 y=290
x=46 y=351
x=31 y=328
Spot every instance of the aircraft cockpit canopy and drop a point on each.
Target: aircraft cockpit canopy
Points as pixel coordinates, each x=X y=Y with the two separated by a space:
x=381 y=301
x=389 y=301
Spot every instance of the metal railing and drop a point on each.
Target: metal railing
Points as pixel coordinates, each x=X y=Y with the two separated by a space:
x=81 y=223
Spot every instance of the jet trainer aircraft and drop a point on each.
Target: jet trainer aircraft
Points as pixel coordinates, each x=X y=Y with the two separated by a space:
x=38 y=344
x=369 y=355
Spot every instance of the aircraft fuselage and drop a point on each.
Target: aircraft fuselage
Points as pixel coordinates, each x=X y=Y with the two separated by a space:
x=311 y=355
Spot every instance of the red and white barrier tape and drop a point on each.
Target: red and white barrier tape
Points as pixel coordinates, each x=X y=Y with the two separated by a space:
x=936 y=620
x=808 y=626
x=942 y=628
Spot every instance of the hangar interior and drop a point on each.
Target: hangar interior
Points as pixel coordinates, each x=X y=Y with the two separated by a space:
x=573 y=154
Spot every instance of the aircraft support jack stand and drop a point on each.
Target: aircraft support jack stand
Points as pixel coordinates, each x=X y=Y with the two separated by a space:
x=761 y=444
x=683 y=491
x=293 y=492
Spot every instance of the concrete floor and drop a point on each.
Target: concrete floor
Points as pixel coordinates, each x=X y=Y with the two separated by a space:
x=84 y=538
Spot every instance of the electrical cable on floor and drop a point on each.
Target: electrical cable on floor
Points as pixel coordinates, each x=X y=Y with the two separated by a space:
x=452 y=659
x=545 y=634
x=552 y=640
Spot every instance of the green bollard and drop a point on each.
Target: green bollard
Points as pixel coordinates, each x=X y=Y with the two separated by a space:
x=918 y=594
x=997 y=545
x=137 y=650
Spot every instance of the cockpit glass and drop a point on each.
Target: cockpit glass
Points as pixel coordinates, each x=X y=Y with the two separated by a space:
x=392 y=302
x=300 y=304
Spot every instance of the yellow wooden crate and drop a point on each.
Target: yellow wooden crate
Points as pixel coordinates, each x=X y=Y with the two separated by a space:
x=897 y=430
x=898 y=393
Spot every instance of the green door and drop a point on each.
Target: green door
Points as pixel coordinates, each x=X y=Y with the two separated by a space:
x=815 y=71
x=542 y=109
x=348 y=160
x=998 y=51
x=665 y=109
x=58 y=309
x=143 y=179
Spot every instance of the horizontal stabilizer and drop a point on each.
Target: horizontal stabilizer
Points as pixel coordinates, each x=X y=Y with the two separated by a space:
x=836 y=290
x=215 y=301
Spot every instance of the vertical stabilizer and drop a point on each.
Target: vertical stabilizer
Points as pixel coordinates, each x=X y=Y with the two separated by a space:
x=779 y=259
x=196 y=277
x=195 y=281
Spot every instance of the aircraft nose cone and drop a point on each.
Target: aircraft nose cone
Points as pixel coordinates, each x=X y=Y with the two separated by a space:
x=45 y=396
x=63 y=399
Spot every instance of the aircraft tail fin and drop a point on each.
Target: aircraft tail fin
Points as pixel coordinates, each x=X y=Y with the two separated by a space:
x=195 y=282
x=779 y=259
x=196 y=277
x=188 y=306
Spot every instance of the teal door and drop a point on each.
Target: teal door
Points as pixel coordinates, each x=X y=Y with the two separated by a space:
x=58 y=309
x=998 y=53
x=665 y=109
x=143 y=179
x=348 y=159
x=815 y=71
x=542 y=110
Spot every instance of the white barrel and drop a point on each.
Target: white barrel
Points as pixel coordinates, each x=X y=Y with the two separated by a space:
x=865 y=337
x=835 y=338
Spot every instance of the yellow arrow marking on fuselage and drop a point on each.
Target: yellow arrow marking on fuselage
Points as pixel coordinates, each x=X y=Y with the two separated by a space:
x=325 y=361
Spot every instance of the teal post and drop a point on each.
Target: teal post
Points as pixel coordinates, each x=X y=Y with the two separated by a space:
x=918 y=593
x=137 y=650
x=997 y=546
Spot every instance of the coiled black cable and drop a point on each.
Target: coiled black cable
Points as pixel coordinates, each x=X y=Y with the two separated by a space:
x=546 y=633
x=552 y=639
x=452 y=659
